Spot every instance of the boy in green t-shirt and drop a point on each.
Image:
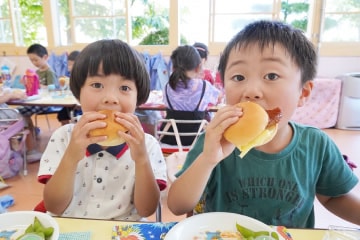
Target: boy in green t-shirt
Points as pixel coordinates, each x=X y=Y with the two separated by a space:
x=272 y=64
x=38 y=56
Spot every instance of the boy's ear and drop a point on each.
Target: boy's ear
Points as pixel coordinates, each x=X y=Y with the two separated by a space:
x=305 y=92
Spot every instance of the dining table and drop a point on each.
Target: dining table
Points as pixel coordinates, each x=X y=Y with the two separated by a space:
x=59 y=99
x=46 y=99
x=102 y=229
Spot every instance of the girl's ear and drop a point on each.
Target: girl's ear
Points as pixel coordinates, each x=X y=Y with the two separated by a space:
x=305 y=93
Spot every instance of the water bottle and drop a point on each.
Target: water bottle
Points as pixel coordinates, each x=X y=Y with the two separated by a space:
x=6 y=76
x=31 y=82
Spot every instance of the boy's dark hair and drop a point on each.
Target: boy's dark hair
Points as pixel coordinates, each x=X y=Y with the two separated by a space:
x=202 y=49
x=268 y=33
x=37 y=49
x=183 y=58
x=116 y=57
x=73 y=55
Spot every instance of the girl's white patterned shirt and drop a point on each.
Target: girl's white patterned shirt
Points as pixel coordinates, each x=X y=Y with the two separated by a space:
x=104 y=181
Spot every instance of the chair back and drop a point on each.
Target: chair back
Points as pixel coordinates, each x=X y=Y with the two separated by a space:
x=169 y=127
x=13 y=137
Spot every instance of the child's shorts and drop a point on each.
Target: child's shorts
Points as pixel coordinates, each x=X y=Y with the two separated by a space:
x=28 y=111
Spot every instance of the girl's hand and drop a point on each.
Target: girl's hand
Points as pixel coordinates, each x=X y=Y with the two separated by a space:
x=216 y=147
x=134 y=137
x=80 y=138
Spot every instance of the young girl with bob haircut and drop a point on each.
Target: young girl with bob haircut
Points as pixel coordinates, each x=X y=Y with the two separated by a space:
x=86 y=180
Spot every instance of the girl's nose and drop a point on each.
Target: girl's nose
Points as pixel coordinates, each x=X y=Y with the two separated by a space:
x=110 y=98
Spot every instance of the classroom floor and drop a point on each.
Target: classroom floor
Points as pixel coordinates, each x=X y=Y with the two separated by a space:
x=27 y=192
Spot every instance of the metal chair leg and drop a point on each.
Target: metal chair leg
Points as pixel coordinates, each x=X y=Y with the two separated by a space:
x=47 y=120
x=158 y=212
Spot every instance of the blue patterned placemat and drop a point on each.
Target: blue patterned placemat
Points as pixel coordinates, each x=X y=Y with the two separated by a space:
x=75 y=236
x=158 y=230
x=142 y=231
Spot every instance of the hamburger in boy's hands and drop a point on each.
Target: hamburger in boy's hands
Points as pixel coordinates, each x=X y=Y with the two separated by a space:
x=111 y=130
x=256 y=127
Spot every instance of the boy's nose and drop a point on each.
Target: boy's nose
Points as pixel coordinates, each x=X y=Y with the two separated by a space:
x=252 y=91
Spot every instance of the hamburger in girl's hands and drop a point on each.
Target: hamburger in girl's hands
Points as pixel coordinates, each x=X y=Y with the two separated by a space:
x=256 y=127
x=111 y=130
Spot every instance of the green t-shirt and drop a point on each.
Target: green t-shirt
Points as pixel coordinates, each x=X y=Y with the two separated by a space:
x=47 y=77
x=277 y=189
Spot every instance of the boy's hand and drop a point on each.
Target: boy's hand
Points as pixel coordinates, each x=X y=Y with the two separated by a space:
x=216 y=147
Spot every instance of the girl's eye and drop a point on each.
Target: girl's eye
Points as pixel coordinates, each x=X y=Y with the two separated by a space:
x=238 y=78
x=97 y=85
x=272 y=76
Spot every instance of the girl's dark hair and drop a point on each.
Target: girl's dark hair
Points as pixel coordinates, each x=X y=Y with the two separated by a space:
x=37 y=49
x=268 y=33
x=73 y=55
x=202 y=49
x=184 y=58
x=116 y=57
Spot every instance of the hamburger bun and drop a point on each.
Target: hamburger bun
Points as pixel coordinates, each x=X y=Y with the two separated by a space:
x=111 y=130
x=253 y=128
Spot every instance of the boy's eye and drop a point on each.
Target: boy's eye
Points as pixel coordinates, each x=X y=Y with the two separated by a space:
x=271 y=76
x=238 y=78
x=97 y=85
x=124 y=88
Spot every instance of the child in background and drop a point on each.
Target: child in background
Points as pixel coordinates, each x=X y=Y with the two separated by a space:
x=7 y=95
x=272 y=64
x=207 y=74
x=186 y=92
x=71 y=60
x=204 y=52
x=86 y=180
x=64 y=114
x=38 y=56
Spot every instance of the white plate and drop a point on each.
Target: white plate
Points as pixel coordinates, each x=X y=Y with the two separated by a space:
x=33 y=97
x=214 y=221
x=20 y=220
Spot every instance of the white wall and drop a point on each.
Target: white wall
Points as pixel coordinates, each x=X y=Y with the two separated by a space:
x=328 y=66
x=335 y=66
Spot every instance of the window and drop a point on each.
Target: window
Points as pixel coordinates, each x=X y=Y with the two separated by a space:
x=344 y=15
x=160 y=26
x=194 y=21
x=6 y=35
x=27 y=25
x=340 y=28
x=230 y=16
x=86 y=21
